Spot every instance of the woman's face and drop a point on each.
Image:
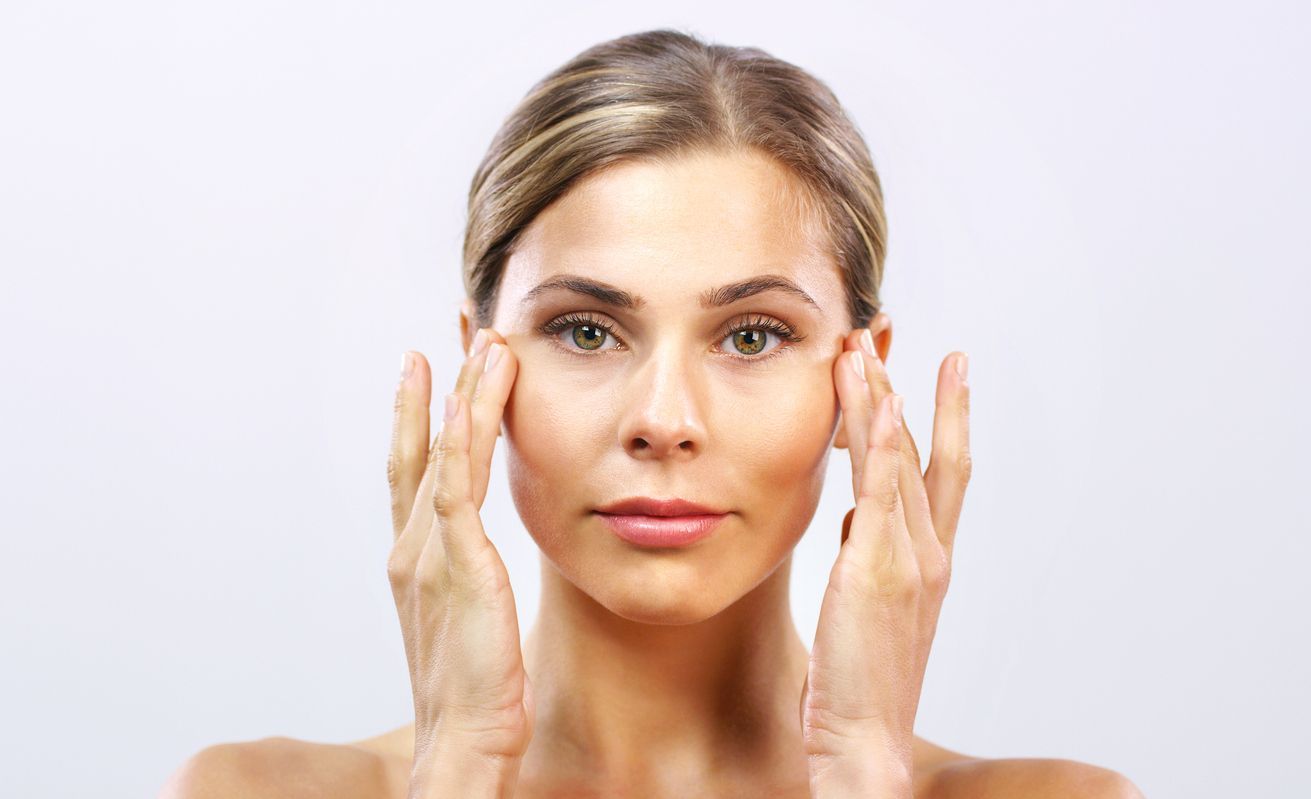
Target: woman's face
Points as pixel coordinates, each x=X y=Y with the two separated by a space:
x=651 y=393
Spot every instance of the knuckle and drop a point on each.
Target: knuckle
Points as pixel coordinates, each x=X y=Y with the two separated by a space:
x=938 y=572
x=884 y=491
x=484 y=578
x=847 y=577
x=909 y=582
x=446 y=500
x=964 y=466
x=899 y=582
x=399 y=569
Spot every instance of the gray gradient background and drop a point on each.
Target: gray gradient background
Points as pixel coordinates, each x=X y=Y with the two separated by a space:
x=224 y=222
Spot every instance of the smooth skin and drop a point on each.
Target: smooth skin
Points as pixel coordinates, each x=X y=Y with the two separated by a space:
x=638 y=662
x=382 y=766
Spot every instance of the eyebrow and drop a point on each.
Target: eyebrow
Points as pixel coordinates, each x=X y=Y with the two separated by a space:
x=711 y=298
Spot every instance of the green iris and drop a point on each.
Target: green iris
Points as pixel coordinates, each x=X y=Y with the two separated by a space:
x=754 y=337
x=591 y=340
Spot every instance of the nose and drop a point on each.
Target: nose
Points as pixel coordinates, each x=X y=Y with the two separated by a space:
x=663 y=403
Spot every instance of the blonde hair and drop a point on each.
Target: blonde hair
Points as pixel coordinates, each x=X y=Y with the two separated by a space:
x=654 y=96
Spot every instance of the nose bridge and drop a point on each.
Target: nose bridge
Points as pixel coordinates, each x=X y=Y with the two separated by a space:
x=664 y=403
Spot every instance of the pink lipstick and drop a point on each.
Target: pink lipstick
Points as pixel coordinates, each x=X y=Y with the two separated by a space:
x=648 y=522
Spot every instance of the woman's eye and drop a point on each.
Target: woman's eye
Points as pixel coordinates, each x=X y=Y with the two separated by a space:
x=587 y=336
x=749 y=341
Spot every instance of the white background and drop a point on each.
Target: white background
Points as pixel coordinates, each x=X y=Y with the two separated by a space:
x=222 y=223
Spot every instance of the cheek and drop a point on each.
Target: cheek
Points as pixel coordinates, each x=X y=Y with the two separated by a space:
x=552 y=439
x=783 y=437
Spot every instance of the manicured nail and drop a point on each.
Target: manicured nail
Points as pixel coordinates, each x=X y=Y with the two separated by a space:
x=493 y=357
x=452 y=405
x=867 y=343
x=479 y=342
x=963 y=366
x=858 y=365
x=407 y=364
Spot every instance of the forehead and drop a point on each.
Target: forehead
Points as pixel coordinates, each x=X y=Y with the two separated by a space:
x=667 y=230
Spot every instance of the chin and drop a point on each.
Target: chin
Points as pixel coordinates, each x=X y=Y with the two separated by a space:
x=648 y=590
x=671 y=607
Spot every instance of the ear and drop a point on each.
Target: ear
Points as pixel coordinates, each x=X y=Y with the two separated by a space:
x=880 y=327
x=468 y=327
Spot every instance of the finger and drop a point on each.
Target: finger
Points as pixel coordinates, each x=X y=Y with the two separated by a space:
x=488 y=410
x=410 y=542
x=857 y=410
x=876 y=373
x=950 y=464
x=409 y=439
x=459 y=537
x=878 y=535
x=472 y=368
x=850 y=342
x=415 y=535
x=914 y=495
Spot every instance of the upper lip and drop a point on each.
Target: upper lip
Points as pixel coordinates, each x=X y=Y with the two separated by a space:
x=648 y=506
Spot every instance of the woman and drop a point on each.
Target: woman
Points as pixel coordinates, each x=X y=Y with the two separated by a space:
x=672 y=262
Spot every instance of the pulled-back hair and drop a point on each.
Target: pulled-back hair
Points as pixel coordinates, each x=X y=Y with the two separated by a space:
x=657 y=95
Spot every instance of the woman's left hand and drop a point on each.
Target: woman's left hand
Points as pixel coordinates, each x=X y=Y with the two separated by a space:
x=880 y=612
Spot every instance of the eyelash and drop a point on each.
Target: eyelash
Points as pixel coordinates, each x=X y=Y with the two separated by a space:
x=783 y=331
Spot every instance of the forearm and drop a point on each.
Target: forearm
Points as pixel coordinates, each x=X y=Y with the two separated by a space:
x=458 y=774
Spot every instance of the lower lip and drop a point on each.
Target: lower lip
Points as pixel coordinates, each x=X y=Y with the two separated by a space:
x=662 y=531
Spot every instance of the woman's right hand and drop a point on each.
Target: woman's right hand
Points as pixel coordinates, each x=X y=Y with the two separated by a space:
x=457 y=613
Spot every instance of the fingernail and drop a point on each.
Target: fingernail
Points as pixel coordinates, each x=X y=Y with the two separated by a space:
x=896 y=408
x=493 y=357
x=407 y=364
x=479 y=342
x=963 y=366
x=867 y=343
x=858 y=365
x=452 y=405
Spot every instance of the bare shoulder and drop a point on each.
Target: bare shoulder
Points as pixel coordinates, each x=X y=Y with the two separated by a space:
x=285 y=768
x=962 y=776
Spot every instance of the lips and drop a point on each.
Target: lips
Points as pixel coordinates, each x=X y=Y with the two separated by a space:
x=648 y=522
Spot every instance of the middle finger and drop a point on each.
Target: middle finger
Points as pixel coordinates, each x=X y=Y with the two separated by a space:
x=910 y=480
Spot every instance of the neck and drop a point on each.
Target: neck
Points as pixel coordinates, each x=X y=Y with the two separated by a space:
x=623 y=701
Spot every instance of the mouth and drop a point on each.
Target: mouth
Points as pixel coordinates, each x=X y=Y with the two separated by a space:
x=648 y=522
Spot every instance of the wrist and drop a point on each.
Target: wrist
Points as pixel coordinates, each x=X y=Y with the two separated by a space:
x=864 y=776
x=463 y=773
